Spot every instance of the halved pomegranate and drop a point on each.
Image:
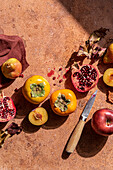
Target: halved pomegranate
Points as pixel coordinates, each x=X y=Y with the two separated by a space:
x=7 y=108
x=85 y=77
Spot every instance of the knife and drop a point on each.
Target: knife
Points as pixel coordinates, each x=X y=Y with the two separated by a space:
x=73 y=141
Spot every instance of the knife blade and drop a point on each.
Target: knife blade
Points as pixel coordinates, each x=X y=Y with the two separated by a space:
x=73 y=141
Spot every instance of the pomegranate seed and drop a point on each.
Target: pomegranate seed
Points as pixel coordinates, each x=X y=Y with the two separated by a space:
x=1 y=107
x=60 y=69
x=21 y=75
x=16 y=90
x=7 y=98
x=54 y=78
x=60 y=81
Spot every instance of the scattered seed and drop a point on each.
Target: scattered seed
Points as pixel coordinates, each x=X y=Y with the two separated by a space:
x=54 y=78
x=16 y=90
x=60 y=69
x=60 y=81
x=21 y=75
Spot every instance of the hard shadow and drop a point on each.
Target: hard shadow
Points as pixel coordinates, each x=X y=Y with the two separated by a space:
x=90 y=14
x=4 y=82
x=27 y=127
x=54 y=121
x=103 y=67
x=22 y=105
x=90 y=143
x=102 y=86
x=105 y=89
x=75 y=58
x=2 y=125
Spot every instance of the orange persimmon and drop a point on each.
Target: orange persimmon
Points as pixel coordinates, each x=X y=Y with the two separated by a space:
x=63 y=102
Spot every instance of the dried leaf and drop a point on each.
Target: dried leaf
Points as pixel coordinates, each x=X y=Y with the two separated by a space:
x=91 y=49
x=14 y=129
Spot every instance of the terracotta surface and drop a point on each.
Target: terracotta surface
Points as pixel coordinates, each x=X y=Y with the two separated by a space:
x=52 y=31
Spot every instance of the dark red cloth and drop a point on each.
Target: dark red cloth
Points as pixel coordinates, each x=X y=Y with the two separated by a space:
x=11 y=47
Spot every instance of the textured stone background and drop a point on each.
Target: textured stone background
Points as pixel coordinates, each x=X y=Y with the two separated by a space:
x=52 y=31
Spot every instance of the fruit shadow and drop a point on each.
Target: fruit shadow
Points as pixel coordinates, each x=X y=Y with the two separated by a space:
x=103 y=67
x=54 y=121
x=28 y=127
x=90 y=143
x=4 y=82
x=23 y=107
x=104 y=88
x=2 y=125
x=75 y=58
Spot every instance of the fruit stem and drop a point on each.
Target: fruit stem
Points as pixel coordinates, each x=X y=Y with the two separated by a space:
x=108 y=122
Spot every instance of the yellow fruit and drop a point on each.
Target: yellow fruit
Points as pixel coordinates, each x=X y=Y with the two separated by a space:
x=11 y=68
x=108 y=77
x=38 y=116
x=36 y=89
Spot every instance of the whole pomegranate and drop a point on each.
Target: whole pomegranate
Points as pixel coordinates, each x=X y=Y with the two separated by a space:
x=11 y=68
x=7 y=108
x=84 y=78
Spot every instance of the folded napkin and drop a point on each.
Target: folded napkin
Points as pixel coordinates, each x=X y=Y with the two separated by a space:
x=11 y=47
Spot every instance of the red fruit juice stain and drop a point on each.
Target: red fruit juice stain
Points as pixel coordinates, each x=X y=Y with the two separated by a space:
x=58 y=76
x=60 y=81
x=50 y=73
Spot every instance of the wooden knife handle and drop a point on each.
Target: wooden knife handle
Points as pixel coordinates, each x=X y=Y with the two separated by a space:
x=75 y=137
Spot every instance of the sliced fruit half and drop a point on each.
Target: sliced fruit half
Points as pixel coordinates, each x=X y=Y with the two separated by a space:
x=38 y=116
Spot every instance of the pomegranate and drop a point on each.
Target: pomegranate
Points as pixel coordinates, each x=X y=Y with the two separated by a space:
x=7 y=108
x=84 y=78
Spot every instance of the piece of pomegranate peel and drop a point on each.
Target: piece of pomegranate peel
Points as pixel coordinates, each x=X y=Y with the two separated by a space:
x=84 y=78
x=7 y=108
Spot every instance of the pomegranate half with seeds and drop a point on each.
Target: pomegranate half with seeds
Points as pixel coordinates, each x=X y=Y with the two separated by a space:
x=84 y=78
x=7 y=108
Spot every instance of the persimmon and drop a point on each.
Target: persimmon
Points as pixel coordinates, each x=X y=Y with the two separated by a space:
x=36 y=89
x=63 y=102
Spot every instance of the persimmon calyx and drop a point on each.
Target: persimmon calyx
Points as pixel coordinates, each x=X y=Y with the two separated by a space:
x=37 y=90
x=62 y=102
